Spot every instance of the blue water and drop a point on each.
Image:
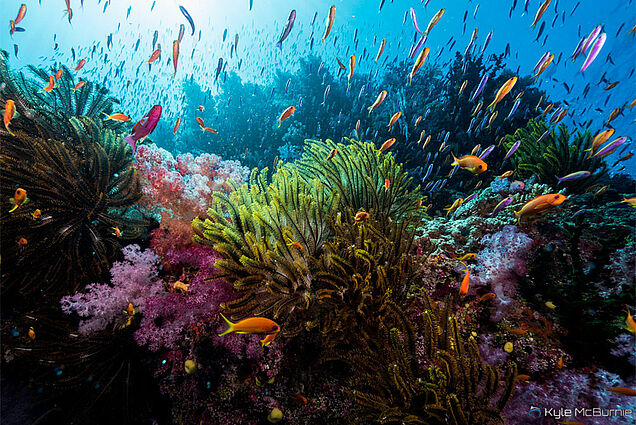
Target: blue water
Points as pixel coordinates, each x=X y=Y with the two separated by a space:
x=49 y=38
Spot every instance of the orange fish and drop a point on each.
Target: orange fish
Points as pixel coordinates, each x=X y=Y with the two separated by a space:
x=36 y=214
x=21 y=14
x=19 y=198
x=331 y=154
x=378 y=101
x=386 y=145
x=180 y=286
x=329 y=23
x=116 y=232
x=210 y=130
x=387 y=184
x=200 y=122
x=623 y=391
x=544 y=6
x=361 y=216
x=80 y=65
x=352 y=66
x=59 y=74
x=117 y=117
x=463 y=289
x=394 y=118
x=177 y=125
x=253 y=325
x=417 y=122
x=471 y=163
x=12 y=27
x=600 y=138
x=299 y=399
x=503 y=91
x=540 y=204
x=201 y=108
x=31 y=333
x=434 y=20
x=286 y=114
x=488 y=296
x=154 y=56
x=79 y=86
x=381 y=49
x=68 y=12
x=49 y=88
x=175 y=56
x=467 y=256
x=22 y=242
x=630 y=325
x=421 y=58
x=458 y=203
x=523 y=377
x=518 y=331
x=9 y=113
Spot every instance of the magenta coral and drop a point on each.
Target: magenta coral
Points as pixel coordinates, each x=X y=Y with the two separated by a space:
x=133 y=279
x=167 y=316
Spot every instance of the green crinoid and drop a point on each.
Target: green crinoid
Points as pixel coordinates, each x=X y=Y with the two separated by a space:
x=292 y=244
x=557 y=155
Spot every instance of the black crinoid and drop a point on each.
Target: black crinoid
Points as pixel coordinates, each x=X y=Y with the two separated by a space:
x=76 y=171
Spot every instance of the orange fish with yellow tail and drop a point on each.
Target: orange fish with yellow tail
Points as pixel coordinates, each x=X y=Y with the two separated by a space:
x=253 y=325
x=472 y=163
x=540 y=204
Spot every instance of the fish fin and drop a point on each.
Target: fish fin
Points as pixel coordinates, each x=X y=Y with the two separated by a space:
x=131 y=142
x=15 y=207
x=26 y=201
x=230 y=324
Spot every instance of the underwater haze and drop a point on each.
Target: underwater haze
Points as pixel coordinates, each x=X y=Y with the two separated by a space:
x=318 y=212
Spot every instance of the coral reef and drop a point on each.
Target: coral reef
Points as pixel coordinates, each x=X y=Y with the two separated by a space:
x=549 y=154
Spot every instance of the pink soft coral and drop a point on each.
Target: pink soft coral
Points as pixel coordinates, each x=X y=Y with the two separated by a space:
x=181 y=187
x=134 y=279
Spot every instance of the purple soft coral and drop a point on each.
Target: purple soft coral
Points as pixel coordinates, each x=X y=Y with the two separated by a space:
x=134 y=279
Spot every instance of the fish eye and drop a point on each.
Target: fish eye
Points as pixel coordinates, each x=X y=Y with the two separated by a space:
x=479 y=167
x=557 y=196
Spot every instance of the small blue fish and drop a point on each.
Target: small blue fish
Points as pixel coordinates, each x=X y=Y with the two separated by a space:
x=188 y=18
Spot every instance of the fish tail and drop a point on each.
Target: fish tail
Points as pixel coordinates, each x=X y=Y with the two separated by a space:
x=279 y=123
x=230 y=324
x=455 y=162
x=109 y=117
x=518 y=215
x=15 y=207
x=492 y=105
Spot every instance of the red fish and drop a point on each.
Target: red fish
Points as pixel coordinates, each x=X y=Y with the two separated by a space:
x=177 y=125
x=144 y=127
x=21 y=13
x=175 y=56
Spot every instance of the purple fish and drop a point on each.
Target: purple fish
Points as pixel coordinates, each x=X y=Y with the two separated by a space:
x=500 y=206
x=543 y=136
x=219 y=67
x=288 y=28
x=287 y=85
x=418 y=46
x=598 y=45
x=470 y=197
x=579 y=212
x=590 y=39
x=488 y=37
x=480 y=87
x=513 y=149
x=609 y=148
x=578 y=48
x=486 y=152
x=415 y=20
x=325 y=95
x=514 y=108
x=541 y=61
x=574 y=176
x=144 y=127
